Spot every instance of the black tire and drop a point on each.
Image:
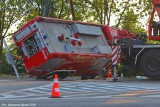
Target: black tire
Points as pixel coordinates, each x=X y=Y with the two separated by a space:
x=83 y=77
x=150 y=64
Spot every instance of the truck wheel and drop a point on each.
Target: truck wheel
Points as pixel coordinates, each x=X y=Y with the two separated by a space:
x=150 y=64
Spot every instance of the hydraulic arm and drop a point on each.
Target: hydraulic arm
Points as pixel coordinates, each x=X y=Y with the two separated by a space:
x=154 y=27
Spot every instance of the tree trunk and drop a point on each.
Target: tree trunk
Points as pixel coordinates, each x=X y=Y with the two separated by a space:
x=1 y=48
x=72 y=10
x=121 y=15
x=46 y=8
x=62 y=6
x=105 y=10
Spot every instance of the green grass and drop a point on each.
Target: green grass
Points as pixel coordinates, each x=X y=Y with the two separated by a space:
x=6 y=76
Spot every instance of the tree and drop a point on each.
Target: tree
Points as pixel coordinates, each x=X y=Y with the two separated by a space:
x=10 y=12
x=136 y=11
x=65 y=9
x=104 y=10
x=130 y=22
x=48 y=8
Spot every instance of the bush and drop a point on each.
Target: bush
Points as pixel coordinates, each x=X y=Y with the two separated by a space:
x=6 y=68
x=127 y=72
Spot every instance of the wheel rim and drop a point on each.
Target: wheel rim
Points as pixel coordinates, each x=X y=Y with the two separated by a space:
x=153 y=64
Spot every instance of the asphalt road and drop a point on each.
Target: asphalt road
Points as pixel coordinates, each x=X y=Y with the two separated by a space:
x=91 y=93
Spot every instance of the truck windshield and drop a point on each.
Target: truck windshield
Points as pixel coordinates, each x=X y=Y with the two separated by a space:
x=32 y=45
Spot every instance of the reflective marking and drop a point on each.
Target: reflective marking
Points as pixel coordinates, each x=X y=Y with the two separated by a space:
x=44 y=54
x=57 y=90
x=55 y=80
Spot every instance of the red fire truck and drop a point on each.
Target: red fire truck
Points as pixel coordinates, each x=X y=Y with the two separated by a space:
x=60 y=46
x=52 y=45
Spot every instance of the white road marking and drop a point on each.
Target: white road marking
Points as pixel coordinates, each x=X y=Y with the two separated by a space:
x=80 y=89
x=5 y=80
x=151 y=96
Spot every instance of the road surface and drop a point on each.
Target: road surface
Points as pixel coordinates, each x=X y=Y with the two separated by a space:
x=92 y=93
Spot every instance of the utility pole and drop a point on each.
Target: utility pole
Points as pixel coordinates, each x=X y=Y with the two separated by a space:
x=10 y=59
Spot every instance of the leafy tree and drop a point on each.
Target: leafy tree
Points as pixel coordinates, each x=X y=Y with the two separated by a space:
x=10 y=12
x=130 y=22
x=102 y=11
x=48 y=8
x=137 y=10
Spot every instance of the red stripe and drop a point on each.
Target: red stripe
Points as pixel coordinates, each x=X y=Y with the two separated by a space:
x=114 y=47
x=116 y=53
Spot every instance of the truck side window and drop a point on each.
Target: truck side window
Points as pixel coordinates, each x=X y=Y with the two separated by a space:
x=32 y=45
x=156 y=28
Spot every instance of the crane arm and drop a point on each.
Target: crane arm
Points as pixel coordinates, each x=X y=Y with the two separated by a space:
x=156 y=4
x=154 y=27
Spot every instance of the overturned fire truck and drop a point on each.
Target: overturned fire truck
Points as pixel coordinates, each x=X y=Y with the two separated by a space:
x=64 y=47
